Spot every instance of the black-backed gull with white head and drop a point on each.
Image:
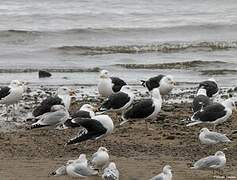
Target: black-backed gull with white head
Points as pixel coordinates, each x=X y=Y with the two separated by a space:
x=118 y=101
x=108 y=85
x=11 y=94
x=146 y=109
x=164 y=82
x=211 y=87
x=201 y=100
x=93 y=129
x=62 y=97
x=215 y=113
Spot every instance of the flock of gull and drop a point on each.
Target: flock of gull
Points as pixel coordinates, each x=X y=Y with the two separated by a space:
x=118 y=97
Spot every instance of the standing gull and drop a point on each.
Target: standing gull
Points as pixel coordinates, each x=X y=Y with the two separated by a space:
x=201 y=100
x=209 y=137
x=163 y=82
x=100 y=158
x=111 y=172
x=57 y=116
x=146 y=109
x=62 y=98
x=215 y=162
x=108 y=85
x=165 y=175
x=211 y=87
x=118 y=101
x=93 y=129
x=215 y=113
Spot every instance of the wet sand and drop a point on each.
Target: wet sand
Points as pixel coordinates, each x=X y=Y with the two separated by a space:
x=33 y=154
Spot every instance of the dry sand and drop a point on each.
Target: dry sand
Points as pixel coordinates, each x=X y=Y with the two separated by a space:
x=139 y=155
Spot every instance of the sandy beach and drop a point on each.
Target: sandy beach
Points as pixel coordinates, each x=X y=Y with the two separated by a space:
x=33 y=154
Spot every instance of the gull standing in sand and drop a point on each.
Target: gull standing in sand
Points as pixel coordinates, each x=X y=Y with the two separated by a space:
x=164 y=82
x=111 y=172
x=215 y=162
x=108 y=85
x=215 y=113
x=100 y=158
x=11 y=94
x=146 y=109
x=94 y=129
x=209 y=137
x=211 y=87
x=57 y=116
x=165 y=175
x=63 y=97
x=119 y=101
x=201 y=100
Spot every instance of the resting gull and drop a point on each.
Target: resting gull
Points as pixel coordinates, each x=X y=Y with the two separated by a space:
x=108 y=85
x=62 y=98
x=111 y=172
x=146 y=109
x=211 y=87
x=164 y=82
x=57 y=116
x=100 y=158
x=201 y=100
x=165 y=175
x=215 y=113
x=118 y=101
x=80 y=168
x=11 y=94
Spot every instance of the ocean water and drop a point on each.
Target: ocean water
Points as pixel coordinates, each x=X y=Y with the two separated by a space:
x=79 y=36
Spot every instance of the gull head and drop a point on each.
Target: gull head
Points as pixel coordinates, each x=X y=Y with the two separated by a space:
x=63 y=91
x=103 y=149
x=219 y=153
x=204 y=130
x=88 y=108
x=104 y=74
x=167 y=169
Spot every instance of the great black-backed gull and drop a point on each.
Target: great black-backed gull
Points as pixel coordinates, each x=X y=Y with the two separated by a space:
x=165 y=175
x=211 y=87
x=57 y=116
x=146 y=109
x=215 y=113
x=100 y=158
x=108 y=85
x=215 y=162
x=62 y=98
x=201 y=100
x=118 y=101
x=164 y=82
x=97 y=127
x=111 y=172
x=11 y=94
x=209 y=137
x=86 y=111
